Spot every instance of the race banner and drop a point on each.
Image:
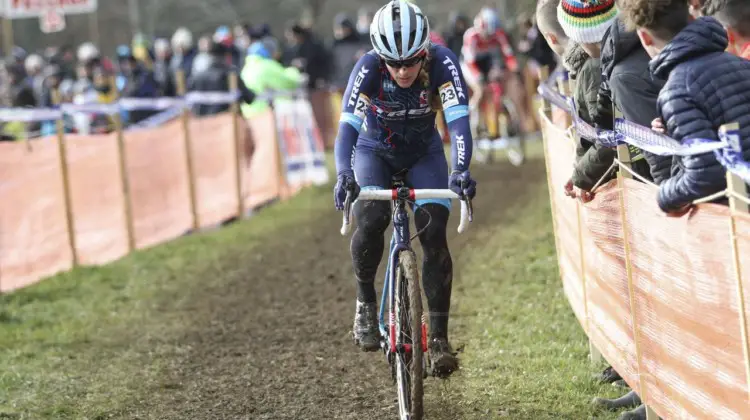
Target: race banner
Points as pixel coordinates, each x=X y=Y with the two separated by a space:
x=300 y=142
x=22 y=9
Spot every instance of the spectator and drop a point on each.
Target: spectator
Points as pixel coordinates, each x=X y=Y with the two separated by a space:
x=53 y=75
x=203 y=59
x=135 y=81
x=216 y=78
x=549 y=26
x=141 y=50
x=307 y=54
x=34 y=64
x=263 y=74
x=536 y=49
x=706 y=87
x=347 y=48
x=162 y=74
x=66 y=59
x=586 y=27
x=183 y=52
x=16 y=93
x=627 y=82
x=241 y=37
x=225 y=37
x=260 y=33
x=364 y=17
x=454 y=37
x=735 y=16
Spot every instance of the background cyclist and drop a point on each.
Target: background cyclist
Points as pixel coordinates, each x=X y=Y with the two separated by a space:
x=387 y=126
x=486 y=53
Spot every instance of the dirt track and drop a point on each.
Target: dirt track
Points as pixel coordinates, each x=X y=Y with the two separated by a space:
x=271 y=340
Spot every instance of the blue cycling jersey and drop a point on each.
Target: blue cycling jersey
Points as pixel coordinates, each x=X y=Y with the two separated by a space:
x=384 y=116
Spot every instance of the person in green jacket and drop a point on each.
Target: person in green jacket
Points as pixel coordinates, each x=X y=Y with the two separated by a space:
x=263 y=75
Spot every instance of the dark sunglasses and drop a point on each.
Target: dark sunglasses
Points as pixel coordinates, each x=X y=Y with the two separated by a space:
x=397 y=64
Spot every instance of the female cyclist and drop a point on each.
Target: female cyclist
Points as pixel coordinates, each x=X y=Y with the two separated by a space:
x=387 y=127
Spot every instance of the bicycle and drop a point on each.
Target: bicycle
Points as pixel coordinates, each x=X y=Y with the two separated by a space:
x=404 y=336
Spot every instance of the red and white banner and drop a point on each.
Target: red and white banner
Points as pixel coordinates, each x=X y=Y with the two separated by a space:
x=51 y=20
x=20 y=9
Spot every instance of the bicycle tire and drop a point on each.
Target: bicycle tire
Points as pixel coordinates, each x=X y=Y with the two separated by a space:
x=409 y=301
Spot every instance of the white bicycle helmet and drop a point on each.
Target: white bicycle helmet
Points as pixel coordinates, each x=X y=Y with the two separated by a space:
x=487 y=21
x=399 y=31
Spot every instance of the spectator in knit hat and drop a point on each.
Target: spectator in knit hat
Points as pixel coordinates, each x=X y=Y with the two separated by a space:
x=585 y=22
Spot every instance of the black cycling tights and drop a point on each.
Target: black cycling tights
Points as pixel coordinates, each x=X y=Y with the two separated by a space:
x=368 y=244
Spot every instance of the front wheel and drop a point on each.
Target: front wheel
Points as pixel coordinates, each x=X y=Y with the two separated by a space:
x=409 y=339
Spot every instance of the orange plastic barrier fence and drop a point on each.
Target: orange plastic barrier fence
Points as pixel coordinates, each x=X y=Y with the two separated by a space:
x=154 y=197
x=659 y=297
x=33 y=234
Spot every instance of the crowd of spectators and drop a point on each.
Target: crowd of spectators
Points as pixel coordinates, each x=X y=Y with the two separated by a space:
x=151 y=68
x=677 y=66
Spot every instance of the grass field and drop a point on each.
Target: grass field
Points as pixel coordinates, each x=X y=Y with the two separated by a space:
x=142 y=338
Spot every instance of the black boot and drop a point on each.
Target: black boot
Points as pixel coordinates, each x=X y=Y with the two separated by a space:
x=608 y=376
x=637 y=414
x=631 y=399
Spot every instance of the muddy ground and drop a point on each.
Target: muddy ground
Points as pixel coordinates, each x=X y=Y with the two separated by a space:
x=271 y=339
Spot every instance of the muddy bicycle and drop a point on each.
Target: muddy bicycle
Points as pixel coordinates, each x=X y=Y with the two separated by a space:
x=404 y=331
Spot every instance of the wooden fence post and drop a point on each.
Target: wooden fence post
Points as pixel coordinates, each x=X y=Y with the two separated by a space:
x=125 y=181
x=181 y=90
x=594 y=354
x=238 y=149
x=63 y=156
x=736 y=187
x=625 y=156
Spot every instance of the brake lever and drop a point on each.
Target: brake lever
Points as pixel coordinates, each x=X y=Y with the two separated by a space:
x=347 y=212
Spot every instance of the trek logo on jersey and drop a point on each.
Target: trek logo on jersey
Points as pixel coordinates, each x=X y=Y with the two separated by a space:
x=415 y=112
x=456 y=80
x=357 y=83
x=461 y=149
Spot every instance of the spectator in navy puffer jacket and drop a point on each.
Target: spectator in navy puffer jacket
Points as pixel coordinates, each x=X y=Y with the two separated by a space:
x=706 y=87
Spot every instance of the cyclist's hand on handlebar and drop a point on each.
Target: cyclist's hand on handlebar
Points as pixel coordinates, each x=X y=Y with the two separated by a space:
x=344 y=183
x=462 y=184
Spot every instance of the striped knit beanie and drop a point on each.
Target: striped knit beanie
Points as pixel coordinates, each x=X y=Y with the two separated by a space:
x=586 y=20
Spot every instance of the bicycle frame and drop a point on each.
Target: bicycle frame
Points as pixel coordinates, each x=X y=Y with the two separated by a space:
x=400 y=241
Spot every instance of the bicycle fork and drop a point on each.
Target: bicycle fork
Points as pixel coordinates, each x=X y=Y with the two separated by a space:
x=389 y=329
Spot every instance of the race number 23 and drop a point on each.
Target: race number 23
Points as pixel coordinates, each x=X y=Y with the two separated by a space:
x=363 y=102
x=448 y=95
